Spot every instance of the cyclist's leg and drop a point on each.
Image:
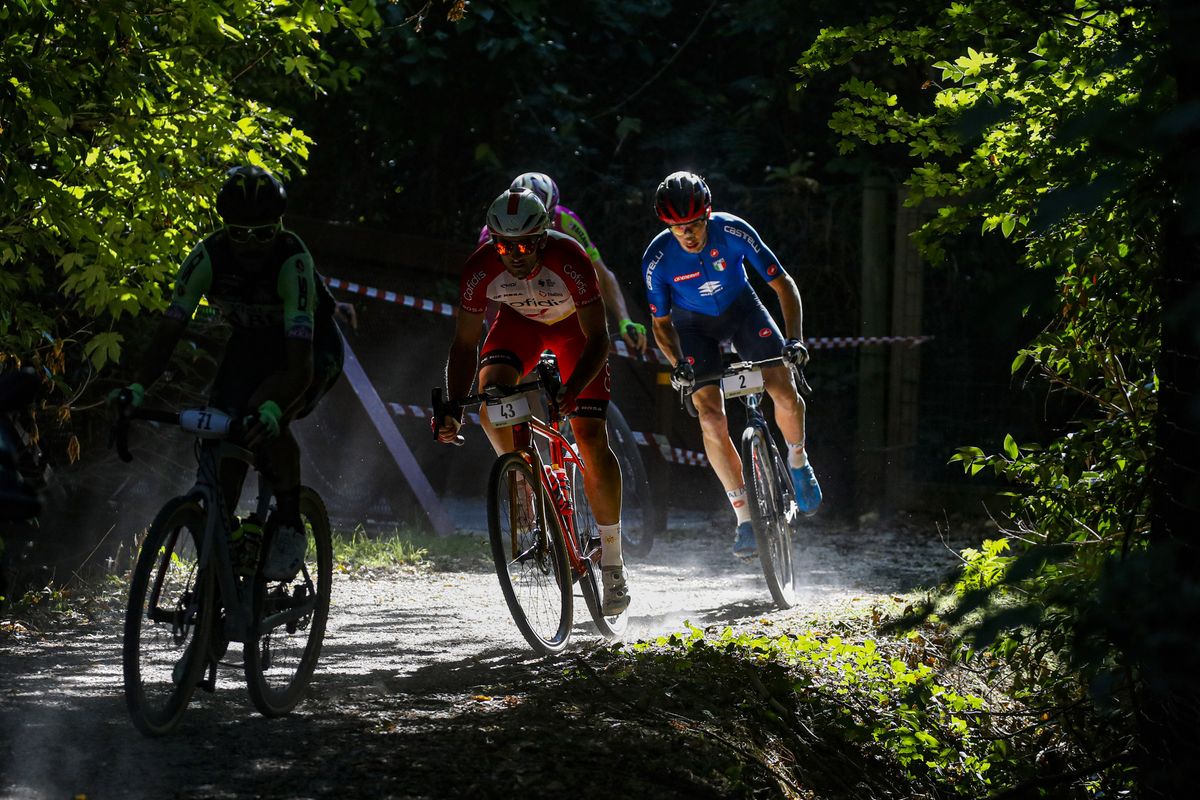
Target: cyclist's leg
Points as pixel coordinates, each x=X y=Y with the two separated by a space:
x=238 y=376
x=700 y=339
x=759 y=338
x=511 y=349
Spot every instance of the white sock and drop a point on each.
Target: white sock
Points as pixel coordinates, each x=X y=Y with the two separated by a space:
x=737 y=499
x=797 y=457
x=610 y=544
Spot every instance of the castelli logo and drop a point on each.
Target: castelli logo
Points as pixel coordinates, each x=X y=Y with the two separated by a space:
x=764 y=333
x=713 y=253
x=739 y=503
x=691 y=360
x=653 y=308
x=771 y=270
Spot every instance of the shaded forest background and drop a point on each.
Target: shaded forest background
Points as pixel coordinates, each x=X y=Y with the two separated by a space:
x=1053 y=146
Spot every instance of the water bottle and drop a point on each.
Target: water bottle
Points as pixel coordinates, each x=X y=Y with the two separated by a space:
x=246 y=540
x=562 y=490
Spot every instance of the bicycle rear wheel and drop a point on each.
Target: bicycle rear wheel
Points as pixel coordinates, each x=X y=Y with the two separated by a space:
x=767 y=488
x=169 y=618
x=639 y=517
x=289 y=617
x=530 y=555
x=588 y=542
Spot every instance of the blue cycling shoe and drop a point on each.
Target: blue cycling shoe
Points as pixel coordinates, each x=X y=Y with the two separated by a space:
x=744 y=544
x=808 y=491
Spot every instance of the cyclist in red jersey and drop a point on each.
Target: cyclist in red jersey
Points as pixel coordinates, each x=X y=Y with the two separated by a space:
x=564 y=220
x=549 y=299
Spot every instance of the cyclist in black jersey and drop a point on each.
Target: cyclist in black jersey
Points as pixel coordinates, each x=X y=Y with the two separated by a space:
x=285 y=351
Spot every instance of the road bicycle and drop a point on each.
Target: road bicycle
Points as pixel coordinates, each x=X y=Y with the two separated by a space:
x=544 y=538
x=194 y=589
x=769 y=489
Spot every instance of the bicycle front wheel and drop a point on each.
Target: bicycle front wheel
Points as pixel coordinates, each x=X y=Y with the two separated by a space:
x=639 y=517
x=530 y=555
x=169 y=619
x=768 y=495
x=289 y=619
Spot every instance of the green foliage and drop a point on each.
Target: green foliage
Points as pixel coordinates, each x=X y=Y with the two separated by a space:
x=358 y=552
x=889 y=700
x=1043 y=123
x=117 y=120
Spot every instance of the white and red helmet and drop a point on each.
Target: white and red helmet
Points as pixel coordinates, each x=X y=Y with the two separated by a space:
x=540 y=184
x=516 y=213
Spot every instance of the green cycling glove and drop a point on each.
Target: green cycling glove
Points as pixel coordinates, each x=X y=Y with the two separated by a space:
x=638 y=327
x=135 y=389
x=269 y=414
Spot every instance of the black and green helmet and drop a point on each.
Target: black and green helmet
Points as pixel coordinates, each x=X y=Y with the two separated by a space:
x=251 y=196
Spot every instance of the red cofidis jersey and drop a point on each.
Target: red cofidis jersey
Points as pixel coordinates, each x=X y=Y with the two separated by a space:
x=564 y=281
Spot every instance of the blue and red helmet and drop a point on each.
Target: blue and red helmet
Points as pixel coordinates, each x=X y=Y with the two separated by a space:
x=682 y=197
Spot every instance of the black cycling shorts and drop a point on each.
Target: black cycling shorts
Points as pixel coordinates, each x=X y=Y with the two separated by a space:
x=746 y=323
x=254 y=353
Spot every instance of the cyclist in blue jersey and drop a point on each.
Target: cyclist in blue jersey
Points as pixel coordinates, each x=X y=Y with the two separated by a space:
x=700 y=296
x=566 y=221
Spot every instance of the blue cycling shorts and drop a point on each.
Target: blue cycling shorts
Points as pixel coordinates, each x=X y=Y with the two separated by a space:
x=746 y=323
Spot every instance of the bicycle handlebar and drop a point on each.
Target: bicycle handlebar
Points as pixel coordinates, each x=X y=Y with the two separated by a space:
x=802 y=385
x=548 y=378
x=199 y=421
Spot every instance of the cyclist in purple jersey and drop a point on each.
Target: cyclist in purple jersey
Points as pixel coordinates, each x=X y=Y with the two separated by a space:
x=566 y=221
x=699 y=296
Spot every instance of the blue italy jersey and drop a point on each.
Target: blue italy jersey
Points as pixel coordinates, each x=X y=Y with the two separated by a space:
x=709 y=281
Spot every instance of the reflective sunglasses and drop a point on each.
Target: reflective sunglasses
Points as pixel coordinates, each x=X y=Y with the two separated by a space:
x=684 y=227
x=516 y=247
x=261 y=234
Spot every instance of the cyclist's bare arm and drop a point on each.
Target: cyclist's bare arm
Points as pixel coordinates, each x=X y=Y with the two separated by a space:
x=461 y=362
x=790 y=305
x=614 y=301
x=667 y=338
x=595 y=352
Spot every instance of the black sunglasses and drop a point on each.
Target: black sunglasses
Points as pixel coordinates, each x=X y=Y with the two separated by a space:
x=243 y=234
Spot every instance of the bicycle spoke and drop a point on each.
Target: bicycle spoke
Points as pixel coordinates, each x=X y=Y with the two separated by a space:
x=168 y=620
x=530 y=563
x=290 y=619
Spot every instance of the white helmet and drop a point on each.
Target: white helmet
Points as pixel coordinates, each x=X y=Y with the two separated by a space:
x=517 y=212
x=540 y=184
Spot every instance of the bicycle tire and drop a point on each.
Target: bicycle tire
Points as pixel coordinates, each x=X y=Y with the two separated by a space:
x=767 y=496
x=530 y=555
x=588 y=542
x=281 y=651
x=158 y=686
x=639 y=516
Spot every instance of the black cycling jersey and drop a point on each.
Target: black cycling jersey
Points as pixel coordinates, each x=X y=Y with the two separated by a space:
x=290 y=296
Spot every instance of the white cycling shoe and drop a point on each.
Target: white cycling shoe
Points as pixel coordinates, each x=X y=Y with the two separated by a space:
x=616 y=592
x=286 y=556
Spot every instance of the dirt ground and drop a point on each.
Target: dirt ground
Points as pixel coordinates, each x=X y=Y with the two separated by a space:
x=426 y=689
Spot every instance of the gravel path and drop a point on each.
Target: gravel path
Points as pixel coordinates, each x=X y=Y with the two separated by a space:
x=414 y=664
